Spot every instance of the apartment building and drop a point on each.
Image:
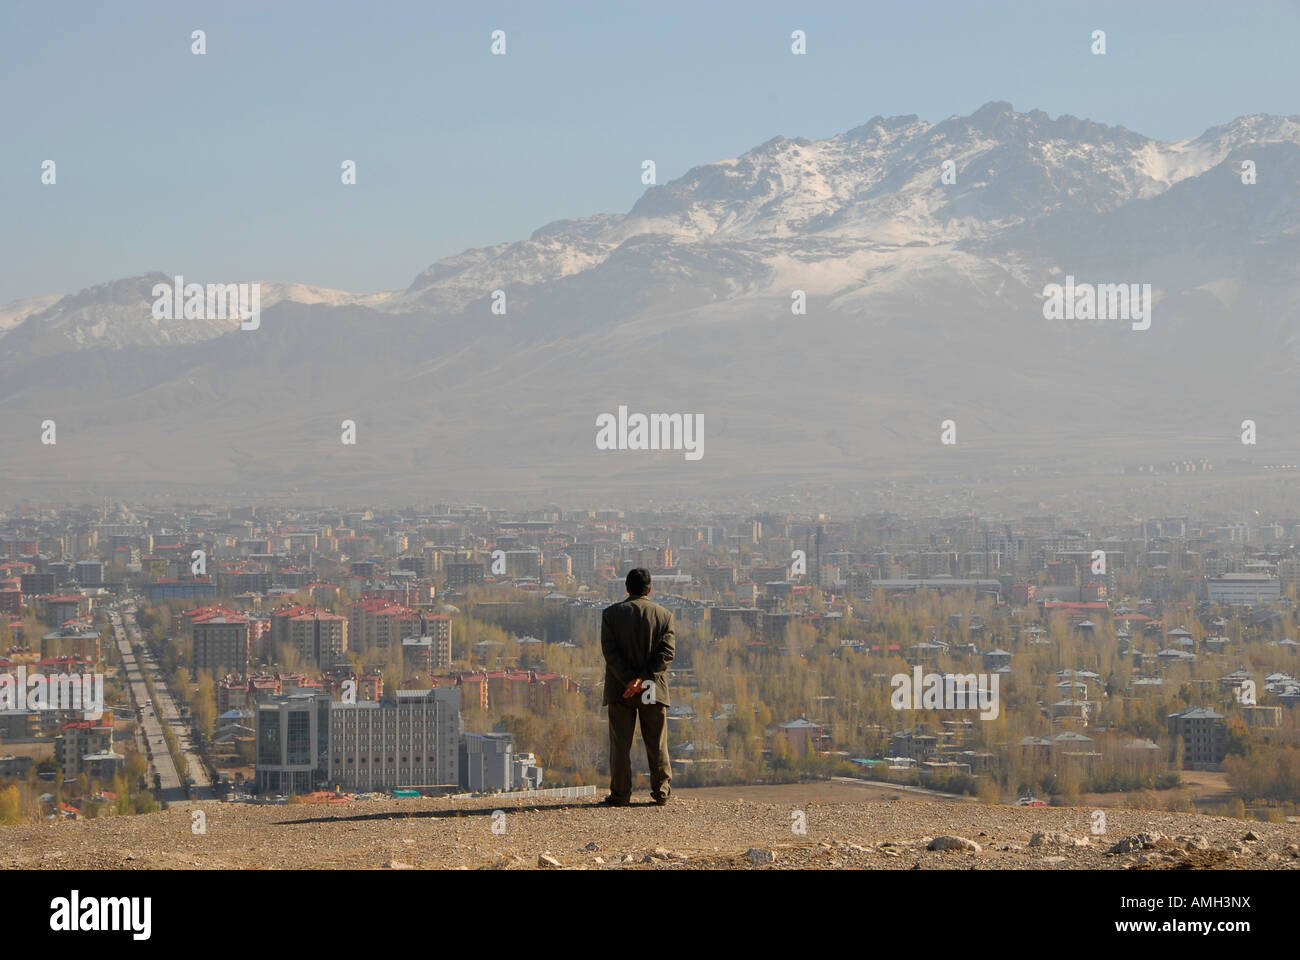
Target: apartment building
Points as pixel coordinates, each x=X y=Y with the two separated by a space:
x=380 y=624
x=79 y=742
x=320 y=639
x=221 y=644
x=74 y=640
x=1204 y=734
x=430 y=652
x=583 y=556
x=1288 y=574
x=464 y=573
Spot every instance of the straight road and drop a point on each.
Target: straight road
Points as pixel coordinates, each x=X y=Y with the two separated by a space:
x=163 y=711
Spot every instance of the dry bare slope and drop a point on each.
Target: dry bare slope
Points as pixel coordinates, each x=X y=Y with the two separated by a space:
x=699 y=829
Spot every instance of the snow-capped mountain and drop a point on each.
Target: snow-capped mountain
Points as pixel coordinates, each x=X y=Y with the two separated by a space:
x=880 y=185
x=922 y=250
x=120 y=313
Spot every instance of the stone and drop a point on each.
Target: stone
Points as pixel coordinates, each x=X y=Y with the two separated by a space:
x=953 y=843
x=1055 y=839
x=1139 y=841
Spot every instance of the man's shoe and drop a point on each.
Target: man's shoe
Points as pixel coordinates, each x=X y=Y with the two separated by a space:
x=660 y=801
x=613 y=801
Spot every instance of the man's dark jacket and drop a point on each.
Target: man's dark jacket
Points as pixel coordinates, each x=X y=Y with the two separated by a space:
x=637 y=639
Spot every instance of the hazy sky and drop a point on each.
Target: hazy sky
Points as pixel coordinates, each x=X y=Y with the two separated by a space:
x=226 y=166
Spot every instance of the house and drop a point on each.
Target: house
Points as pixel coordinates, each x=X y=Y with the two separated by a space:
x=803 y=736
x=1260 y=717
x=996 y=658
x=1072 y=710
x=1170 y=656
x=1070 y=740
x=1035 y=749
x=914 y=744
x=681 y=711
x=1233 y=683
x=944 y=767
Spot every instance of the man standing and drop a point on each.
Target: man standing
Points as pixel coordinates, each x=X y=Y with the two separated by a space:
x=636 y=636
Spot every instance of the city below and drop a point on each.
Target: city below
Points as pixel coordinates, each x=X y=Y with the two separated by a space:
x=253 y=654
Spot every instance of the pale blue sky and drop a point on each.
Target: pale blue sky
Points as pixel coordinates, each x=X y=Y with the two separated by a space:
x=227 y=165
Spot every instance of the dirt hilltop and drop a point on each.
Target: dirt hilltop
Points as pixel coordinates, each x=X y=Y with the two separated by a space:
x=847 y=826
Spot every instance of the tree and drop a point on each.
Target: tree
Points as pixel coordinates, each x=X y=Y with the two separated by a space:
x=11 y=805
x=287 y=656
x=205 y=705
x=136 y=766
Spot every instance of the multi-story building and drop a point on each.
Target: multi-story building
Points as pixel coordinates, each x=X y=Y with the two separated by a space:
x=1204 y=735
x=464 y=573
x=525 y=563
x=320 y=639
x=72 y=640
x=180 y=589
x=803 y=736
x=1237 y=589
x=505 y=691
x=1288 y=573
x=487 y=762
x=279 y=618
x=15 y=767
x=430 y=652
x=417 y=654
x=380 y=624
x=438 y=626
x=80 y=740
x=60 y=609
x=409 y=741
x=527 y=772
x=583 y=556
x=37 y=584
x=221 y=644
x=89 y=573
x=243 y=580
x=292 y=743
x=725 y=620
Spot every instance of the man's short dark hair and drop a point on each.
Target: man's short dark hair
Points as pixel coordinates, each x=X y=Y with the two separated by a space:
x=638 y=582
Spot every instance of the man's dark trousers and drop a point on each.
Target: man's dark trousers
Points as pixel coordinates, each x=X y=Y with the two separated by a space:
x=654 y=731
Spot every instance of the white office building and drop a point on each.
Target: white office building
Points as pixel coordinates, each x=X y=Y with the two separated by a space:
x=410 y=741
x=1238 y=589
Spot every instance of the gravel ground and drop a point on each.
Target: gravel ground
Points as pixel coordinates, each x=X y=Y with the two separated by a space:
x=696 y=830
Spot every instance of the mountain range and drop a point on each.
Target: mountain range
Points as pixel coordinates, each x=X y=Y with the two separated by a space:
x=921 y=251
